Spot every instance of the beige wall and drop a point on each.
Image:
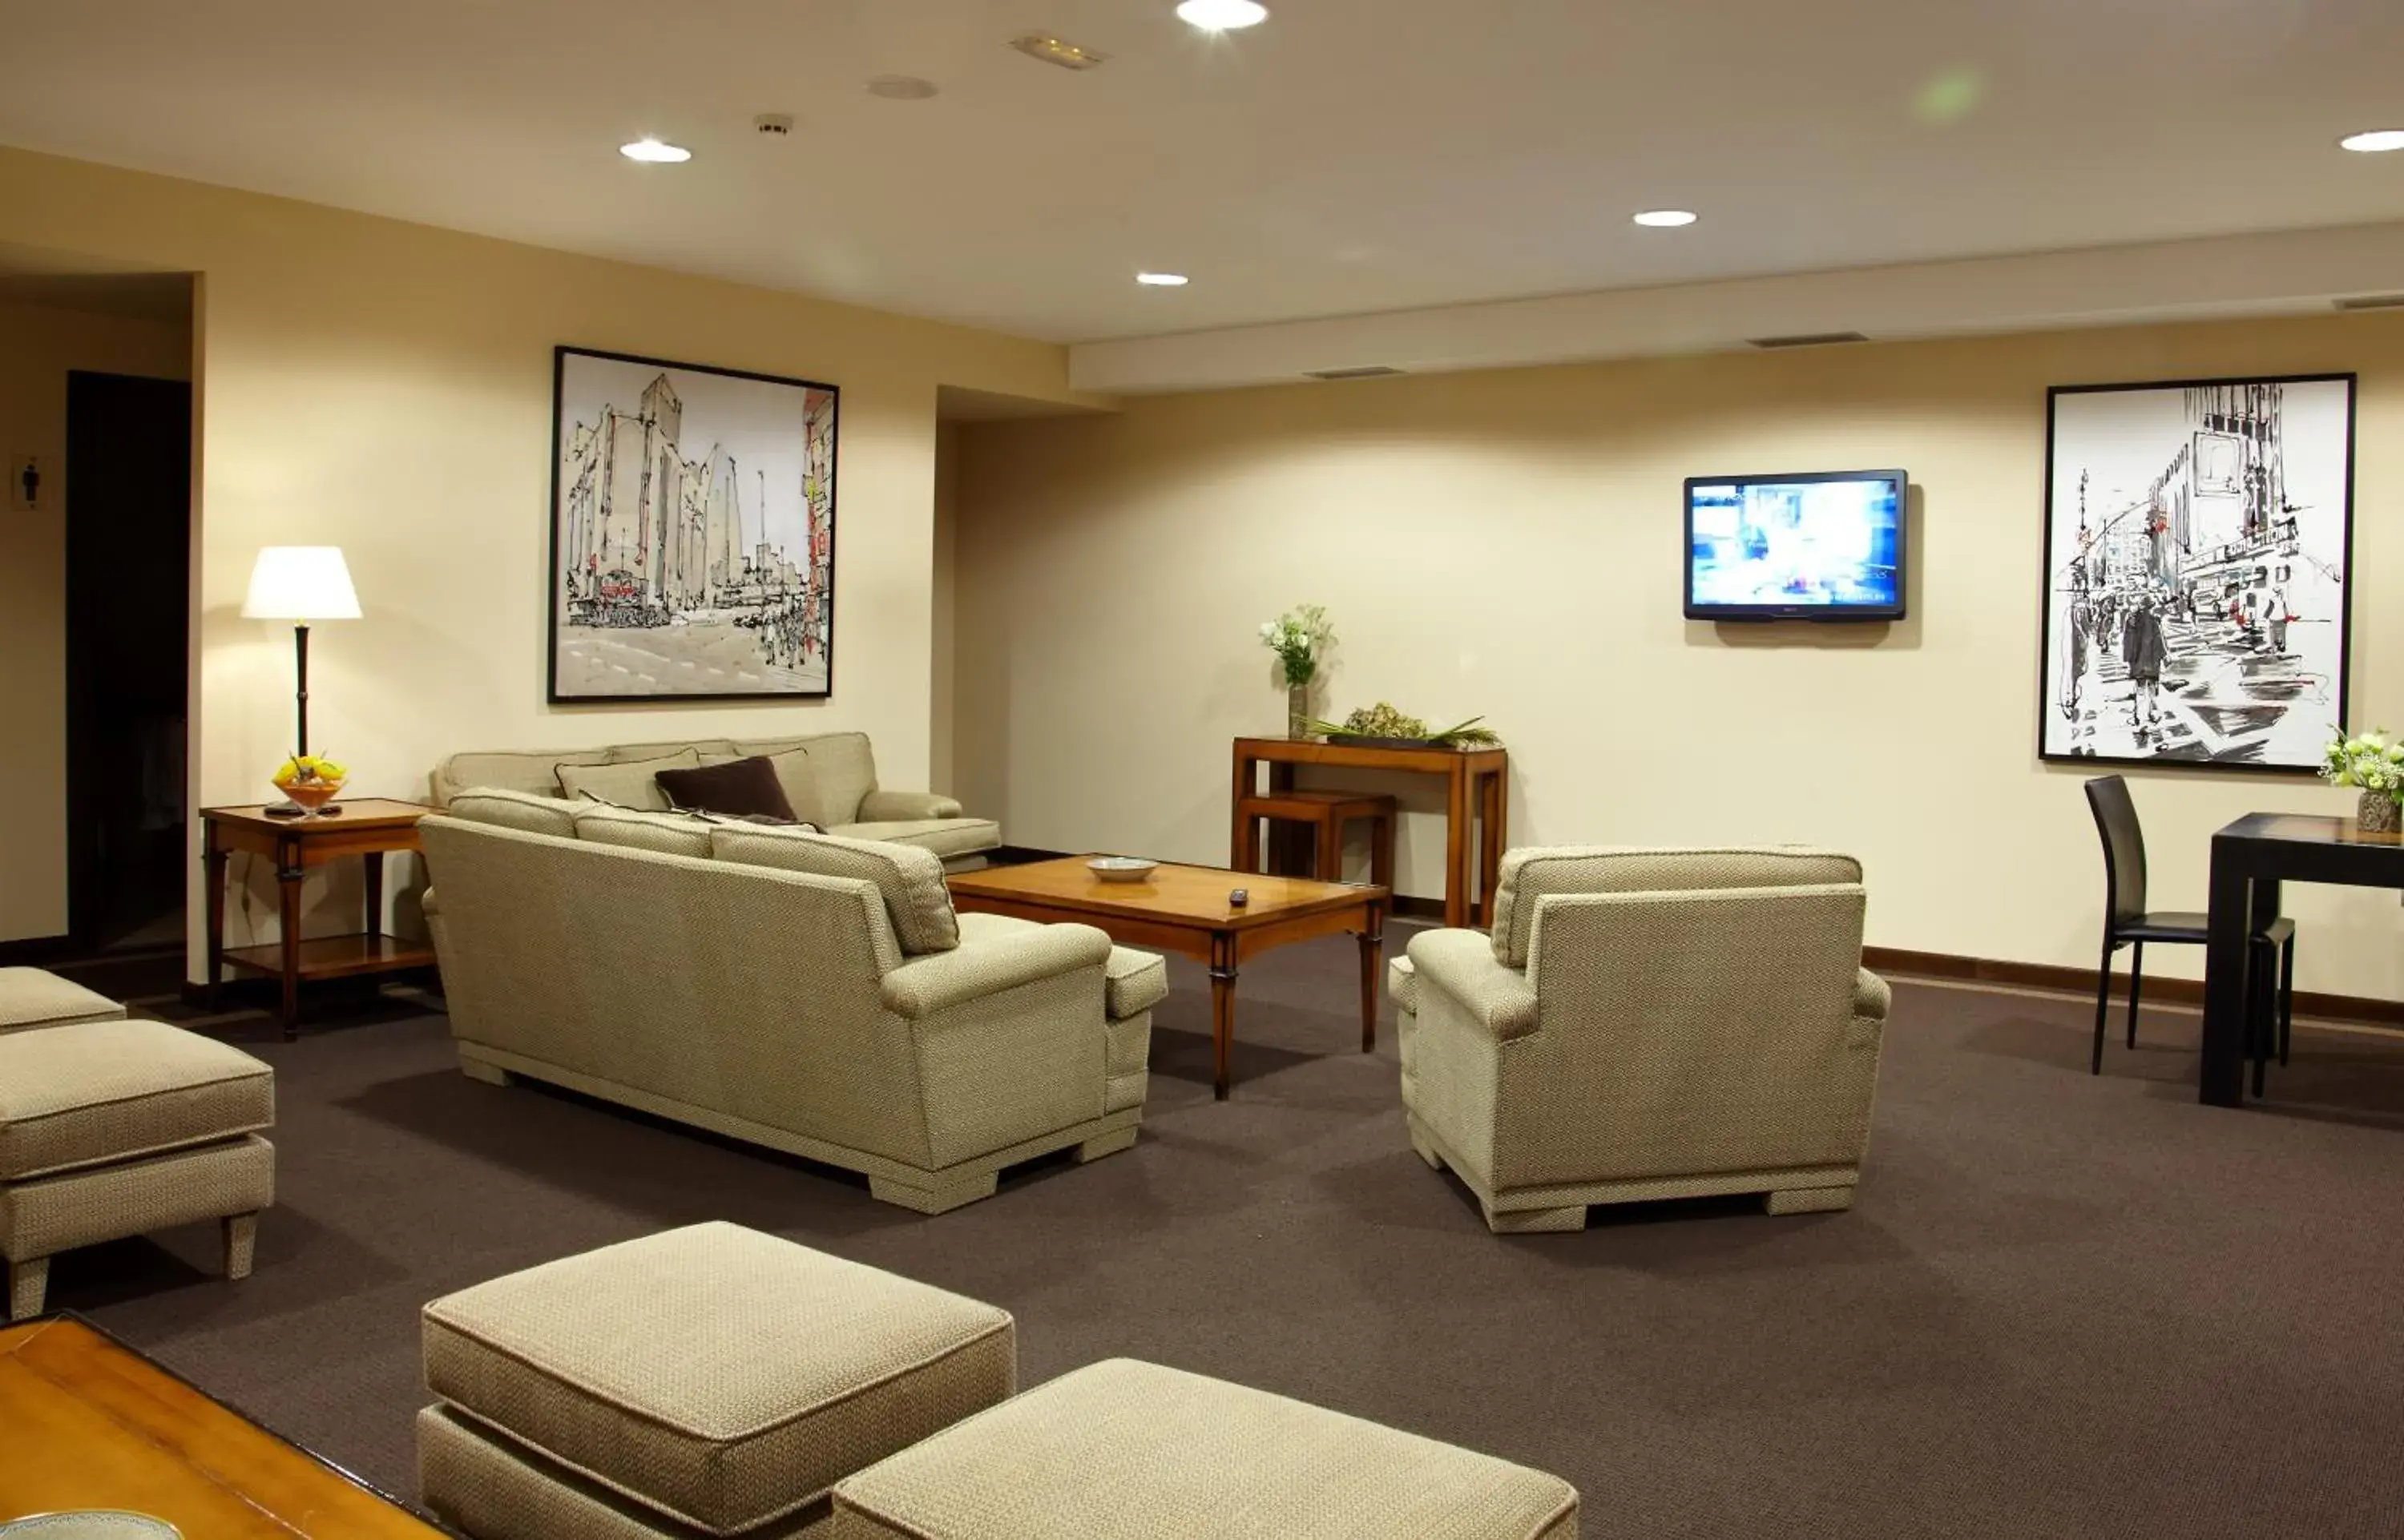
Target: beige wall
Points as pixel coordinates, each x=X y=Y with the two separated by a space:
x=941 y=707
x=38 y=347
x=386 y=387
x=1509 y=544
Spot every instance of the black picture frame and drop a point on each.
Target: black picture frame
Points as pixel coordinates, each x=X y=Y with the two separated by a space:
x=2050 y=702
x=813 y=630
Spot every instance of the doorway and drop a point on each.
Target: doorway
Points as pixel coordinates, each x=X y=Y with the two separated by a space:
x=129 y=524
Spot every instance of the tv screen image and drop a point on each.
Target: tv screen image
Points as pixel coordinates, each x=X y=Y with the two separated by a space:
x=1815 y=546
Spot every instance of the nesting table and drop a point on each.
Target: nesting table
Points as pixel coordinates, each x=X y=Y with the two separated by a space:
x=1476 y=802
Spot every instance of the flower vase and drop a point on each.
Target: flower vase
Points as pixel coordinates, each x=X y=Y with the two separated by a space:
x=1297 y=712
x=2379 y=813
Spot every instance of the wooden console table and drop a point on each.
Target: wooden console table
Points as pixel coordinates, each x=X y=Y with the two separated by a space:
x=91 y=1423
x=1474 y=790
x=369 y=828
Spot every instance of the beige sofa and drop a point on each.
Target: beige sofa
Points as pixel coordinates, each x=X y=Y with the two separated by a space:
x=831 y=780
x=1646 y=1024
x=802 y=991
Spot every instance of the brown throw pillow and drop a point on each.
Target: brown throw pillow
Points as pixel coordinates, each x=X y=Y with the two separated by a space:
x=744 y=788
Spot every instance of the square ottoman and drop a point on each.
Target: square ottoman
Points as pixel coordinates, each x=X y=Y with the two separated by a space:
x=30 y=997
x=111 y=1128
x=709 y=1380
x=1123 y=1449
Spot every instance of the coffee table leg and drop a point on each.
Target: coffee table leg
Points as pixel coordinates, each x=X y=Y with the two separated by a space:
x=1223 y=1012
x=1373 y=951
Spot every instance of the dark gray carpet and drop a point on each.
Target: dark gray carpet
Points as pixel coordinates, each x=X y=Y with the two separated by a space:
x=2063 y=1305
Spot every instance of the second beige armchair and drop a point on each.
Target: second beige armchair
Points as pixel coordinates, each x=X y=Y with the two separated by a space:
x=1646 y=1024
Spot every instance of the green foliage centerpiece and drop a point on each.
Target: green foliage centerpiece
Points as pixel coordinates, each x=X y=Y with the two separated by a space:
x=1300 y=637
x=1382 y=723
x=2374 y=762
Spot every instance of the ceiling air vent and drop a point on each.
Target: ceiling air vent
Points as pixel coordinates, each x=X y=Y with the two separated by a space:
x=2372 y=302
x=1808 y=339
x=1367 y=372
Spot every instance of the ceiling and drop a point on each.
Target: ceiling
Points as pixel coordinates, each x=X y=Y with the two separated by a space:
x=1348 y=155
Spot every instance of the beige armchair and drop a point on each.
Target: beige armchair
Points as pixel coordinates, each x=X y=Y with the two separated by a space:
x=1646 y=1024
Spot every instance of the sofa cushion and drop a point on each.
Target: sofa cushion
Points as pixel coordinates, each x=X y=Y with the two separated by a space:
x=824 y=776
x=664 y=833
x=534 y=770
x=626 y=783
x=946 y=838
x=525 y=810
x=101 y=1091
x=1529 y=876
x=910 y=879
x=1121 y=1450
x=738 y=788
x=706 y=748
x=30 y=997
x=716 y=1375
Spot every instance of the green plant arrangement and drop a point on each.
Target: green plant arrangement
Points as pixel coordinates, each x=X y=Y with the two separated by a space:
x=2374 y=764
x=1300 y=637
x=1383 y=723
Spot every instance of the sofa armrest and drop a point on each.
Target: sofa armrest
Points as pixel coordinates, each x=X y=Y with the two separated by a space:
x=927 y=986
x=905 y=807
x=425 y=901
x=1872 y=995
x=1461 y=965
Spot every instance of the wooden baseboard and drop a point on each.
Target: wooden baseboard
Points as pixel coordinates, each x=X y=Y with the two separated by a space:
x=36 y=951
x=2081 y=981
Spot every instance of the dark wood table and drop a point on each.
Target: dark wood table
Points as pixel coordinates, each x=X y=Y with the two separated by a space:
x=1184 y=909
x=2250 y=858
x=370 y=829
x=88 y=1422
x=1474 y=789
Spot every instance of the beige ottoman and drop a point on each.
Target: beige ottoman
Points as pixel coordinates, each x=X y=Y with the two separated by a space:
x=1121 y=1451
x=31 y=998
x=707 y=1381
x=111 y=1128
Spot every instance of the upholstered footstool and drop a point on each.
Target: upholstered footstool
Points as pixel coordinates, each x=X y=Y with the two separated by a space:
x=29 y=997
x=111 y=1128
x=1123 y=1449
x=706 y=1381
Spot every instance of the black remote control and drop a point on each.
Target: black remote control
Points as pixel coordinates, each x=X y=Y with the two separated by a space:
x=1237 y=898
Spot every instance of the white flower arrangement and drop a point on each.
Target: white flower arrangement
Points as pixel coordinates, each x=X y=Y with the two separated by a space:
x=2373 y=762
x=1300 y=637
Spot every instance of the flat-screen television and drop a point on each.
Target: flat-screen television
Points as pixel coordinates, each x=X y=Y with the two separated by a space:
x=1820 y=545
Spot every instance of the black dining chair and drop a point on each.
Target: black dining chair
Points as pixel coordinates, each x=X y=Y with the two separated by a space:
x=2126 y=922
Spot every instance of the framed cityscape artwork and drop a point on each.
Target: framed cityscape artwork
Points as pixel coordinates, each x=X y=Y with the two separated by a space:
x=2198 y=539
x=692 y=531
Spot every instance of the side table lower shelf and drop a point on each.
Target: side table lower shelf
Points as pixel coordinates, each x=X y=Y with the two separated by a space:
x=336 y=956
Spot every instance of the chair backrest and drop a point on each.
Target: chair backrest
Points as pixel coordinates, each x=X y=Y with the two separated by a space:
x=1533 y=872
x=2124 y=847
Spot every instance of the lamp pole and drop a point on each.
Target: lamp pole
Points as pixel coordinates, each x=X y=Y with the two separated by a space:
x=300 y=691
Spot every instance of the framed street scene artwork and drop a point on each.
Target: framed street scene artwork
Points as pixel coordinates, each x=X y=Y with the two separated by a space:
x=692 y=531
x=2197 y=552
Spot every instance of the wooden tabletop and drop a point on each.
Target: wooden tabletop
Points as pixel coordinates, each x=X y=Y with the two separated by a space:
x=91 y=1423
x=2309 y=829
x=1173 y=895
x=359 y=813
x=1378 y=756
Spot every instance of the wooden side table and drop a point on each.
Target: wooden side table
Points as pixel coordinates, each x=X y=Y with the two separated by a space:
x=368 y=829
x=1476 y=811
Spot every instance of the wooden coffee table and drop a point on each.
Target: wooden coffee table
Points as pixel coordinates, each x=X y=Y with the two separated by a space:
x=1184 y=909
x=88 y=1422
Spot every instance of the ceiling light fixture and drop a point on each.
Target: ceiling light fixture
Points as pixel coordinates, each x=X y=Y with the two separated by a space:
x=1666 y=219
x=901 y=87
x=1223 y=15
x=2376 y=142
x=655 y=152
x=1161 y=280
x=1058 y=51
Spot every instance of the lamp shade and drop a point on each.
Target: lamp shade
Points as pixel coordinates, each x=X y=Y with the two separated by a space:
x=300 y=583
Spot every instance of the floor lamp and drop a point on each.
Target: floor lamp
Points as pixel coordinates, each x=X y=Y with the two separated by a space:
x=301 y=584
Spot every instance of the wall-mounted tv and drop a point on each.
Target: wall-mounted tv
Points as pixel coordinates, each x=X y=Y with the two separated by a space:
x=1820 y=545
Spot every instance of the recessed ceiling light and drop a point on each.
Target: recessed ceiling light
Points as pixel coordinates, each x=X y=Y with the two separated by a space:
x=1161 y=280
x=654 y=152
x=1223 y=15
x=901 y=87
x=2375 y=142
x=1666 y=219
